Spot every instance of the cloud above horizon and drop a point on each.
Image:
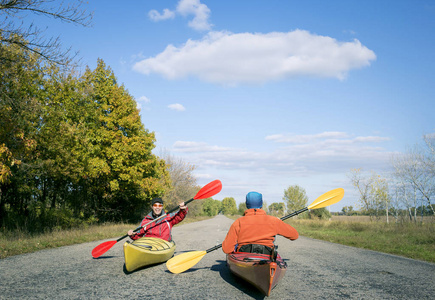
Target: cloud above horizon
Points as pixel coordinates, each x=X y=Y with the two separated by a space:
x=235 y=58
x=144 y=99
x=326 y=152
x=342 y=137
x=177 y=107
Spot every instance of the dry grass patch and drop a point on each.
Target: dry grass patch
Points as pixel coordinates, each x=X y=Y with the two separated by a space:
x=407 y=239
x=19 y=242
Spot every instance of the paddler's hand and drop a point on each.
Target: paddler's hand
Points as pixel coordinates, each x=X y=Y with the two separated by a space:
x=130 y=232
x=182 y=206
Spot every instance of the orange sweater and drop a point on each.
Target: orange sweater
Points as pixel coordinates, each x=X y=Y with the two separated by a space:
x=256 y=227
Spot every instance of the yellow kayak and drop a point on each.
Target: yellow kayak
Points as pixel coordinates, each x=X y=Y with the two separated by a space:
x=147 y=251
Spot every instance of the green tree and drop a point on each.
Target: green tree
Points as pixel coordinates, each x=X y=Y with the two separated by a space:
x=211 y=207
x=229 y=206
x=72 y=148
x=348 y=210
x=21 y=79
x=320 y=213
x=295 y=197
x=242 y=208
x=123 y=173
x=68 y=120
x=379 y=194
x=373 y=189
x=277 y=209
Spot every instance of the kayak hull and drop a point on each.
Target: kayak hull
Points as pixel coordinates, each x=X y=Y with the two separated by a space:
x=147 y=251
x=257 y=269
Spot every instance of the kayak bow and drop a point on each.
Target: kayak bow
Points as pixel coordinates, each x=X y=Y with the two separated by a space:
x=147 y=251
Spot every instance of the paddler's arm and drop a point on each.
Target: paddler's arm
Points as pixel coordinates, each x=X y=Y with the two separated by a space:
x=287 y=230
x=179 y=216
x=134 y=235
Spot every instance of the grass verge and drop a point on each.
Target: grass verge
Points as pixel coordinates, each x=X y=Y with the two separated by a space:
x=410 y=240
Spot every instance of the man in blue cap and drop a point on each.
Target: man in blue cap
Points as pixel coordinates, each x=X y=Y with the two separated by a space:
x=255 y=232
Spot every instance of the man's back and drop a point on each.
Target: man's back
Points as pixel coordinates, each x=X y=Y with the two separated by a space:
x=256 y=227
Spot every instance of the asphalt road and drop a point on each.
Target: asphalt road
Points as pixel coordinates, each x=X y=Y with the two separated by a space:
x=317 y=270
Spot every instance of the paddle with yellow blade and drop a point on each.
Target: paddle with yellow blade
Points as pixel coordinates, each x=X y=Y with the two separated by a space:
x=185 y=261
x=206 y=191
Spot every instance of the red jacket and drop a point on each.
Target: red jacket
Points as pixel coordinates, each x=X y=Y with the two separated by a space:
x=256 y=227
x=162 y=228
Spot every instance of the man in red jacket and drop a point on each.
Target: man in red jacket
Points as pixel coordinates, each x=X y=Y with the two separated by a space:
x=162 y=227
x=255 y=232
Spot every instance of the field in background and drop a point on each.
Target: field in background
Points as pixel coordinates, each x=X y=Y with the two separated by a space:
x=383 y=219
x=412 y=240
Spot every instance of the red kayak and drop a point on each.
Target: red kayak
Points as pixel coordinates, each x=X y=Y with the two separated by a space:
x=257 y=269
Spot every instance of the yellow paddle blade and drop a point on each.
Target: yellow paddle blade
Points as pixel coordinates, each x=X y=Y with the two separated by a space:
x=327 y=199
x=184 y=261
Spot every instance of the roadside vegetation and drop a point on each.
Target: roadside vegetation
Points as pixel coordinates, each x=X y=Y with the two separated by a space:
x=410 y=240
x=21 y=242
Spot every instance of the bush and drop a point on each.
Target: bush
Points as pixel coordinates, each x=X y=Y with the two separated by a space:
x=320 y=214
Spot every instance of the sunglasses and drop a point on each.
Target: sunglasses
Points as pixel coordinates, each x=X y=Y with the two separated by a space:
x=157 y=205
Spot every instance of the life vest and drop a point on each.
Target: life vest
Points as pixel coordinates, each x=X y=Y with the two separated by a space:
x=161 y=228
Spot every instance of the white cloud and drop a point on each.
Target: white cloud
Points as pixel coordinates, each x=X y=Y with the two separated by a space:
x=323 y=153
x=281 y=138
x=200 y=12
x=228 y=58
x=203 y=176
x=156 y=16
x=319 y=164
x=336 y=137
x=144 y=99
x=371 y=139
x=184 y=146
x=177 y=107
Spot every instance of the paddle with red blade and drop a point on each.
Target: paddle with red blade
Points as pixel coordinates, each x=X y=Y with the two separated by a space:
x=185 y=261
x=206 y=191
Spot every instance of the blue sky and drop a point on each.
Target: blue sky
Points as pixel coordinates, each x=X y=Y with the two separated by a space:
x=267 y=94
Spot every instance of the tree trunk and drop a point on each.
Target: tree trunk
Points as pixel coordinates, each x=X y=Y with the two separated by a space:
x=387 y=211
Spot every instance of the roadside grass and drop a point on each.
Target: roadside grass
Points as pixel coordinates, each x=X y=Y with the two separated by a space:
x=410 y=240
x=19 y=242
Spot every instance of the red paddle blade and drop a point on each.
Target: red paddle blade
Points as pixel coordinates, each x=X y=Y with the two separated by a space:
x=102 y=248
x=209 y=190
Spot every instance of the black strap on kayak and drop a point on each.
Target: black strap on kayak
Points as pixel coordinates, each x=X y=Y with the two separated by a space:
x=256 y=248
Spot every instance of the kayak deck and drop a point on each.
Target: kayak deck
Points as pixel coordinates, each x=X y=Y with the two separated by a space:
x=147 y=251
x=257 y=269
